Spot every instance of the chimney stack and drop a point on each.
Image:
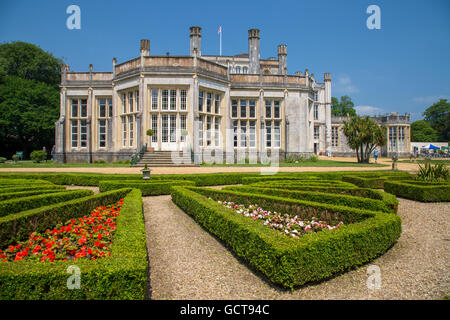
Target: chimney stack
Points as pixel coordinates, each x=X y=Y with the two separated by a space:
x=253 y=51
x=282 y=57
x=196 y=40
x=145 y=47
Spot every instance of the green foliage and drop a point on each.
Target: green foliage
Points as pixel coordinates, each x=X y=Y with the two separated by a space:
x=438 y=115
x=18 y=226
x=21 y=204
x=26 y=193
x=150 y=132
x=2 y=160
x=321 y=197
x=345 y=107
x=29 y=97
x=286 y=261
x=419 y=191
x=438 y=172
x=100 y=161
x=123 y=275
x=38 y=156
x=148 y=188
x=364 y=135
x=15 y=158
x=376 y=182
x=421 y=131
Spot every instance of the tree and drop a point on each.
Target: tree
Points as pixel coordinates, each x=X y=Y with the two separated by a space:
x=29 y=97
x=364 y=135
x=438 y=115
x=342 y=108
x=421 y=131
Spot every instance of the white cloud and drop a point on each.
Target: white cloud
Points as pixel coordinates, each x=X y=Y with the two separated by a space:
x=343 y=84
x=429 y=99
x=368 y=110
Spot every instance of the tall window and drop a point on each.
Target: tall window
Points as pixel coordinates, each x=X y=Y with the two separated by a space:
x=200 y=131
x=276 y=109
x=208 y=102
x=74 y=106
x=217 y=131
x=316 y=133
x=155 y=99
x=334 y=136
x=244 y=70
x=165 y=99
x=216 y=103
x=238 y=69
x=252 y=134
x=130 y=101
x=200 y=101
x=182 y=126
x=183 y=99
x=136 y=95
x=155 y=127
x=276 y=134
x=268 y=134
x=165 y=128
x=74 y=133
x=83 y=108
x=243 y=134
x=83 y=133
x=110 y=107
x=124 y=103
x=316 y=112
x=173 y=100
x=235 y=129
x=102 y=108
x=124 y=131
x=243 y=108
x=173 y=128
x=268 y=109
x=131 y=126
x=234 y=112
x=208 y=130
x=393 y=138
x=102 y=133
x=252 y=108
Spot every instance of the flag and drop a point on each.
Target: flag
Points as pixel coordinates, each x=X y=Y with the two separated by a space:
x=220 y=30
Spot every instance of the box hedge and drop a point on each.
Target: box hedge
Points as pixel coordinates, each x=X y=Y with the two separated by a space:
x=18 y=226
x=322 y=197
x=26 y=203
x=287 y=261
x=26 y=193
x=376 y=182
x=123 y=275
x=149 y=188
x=419 y=191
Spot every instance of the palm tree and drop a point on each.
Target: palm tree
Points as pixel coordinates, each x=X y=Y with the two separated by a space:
x=364 y=135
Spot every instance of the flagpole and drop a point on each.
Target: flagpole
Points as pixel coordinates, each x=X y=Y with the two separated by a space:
x=220 y=40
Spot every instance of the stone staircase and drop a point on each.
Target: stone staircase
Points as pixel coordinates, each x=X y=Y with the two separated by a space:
x=164 y=159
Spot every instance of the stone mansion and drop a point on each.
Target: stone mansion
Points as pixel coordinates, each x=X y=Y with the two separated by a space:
x=229 y=107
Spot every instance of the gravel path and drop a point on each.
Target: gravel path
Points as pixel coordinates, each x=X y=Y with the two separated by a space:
x=186 y=262
x=94 y=189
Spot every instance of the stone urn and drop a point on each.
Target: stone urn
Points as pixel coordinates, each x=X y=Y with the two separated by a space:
x=146 y=173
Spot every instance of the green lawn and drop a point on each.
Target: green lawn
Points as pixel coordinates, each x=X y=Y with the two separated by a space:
x=445 y=161
x=304 y=163
x=50 y=164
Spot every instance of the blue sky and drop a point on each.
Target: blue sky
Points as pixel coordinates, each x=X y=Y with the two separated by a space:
x=403 y=67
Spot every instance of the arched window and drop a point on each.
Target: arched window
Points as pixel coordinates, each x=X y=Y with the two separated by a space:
x=244 y=70
x=238 y=69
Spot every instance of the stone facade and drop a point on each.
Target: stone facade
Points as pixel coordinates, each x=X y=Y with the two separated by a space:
x=398 y=133
x=230 y=107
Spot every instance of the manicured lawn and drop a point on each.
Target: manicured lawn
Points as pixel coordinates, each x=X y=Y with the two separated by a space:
x=50 y=164
x=421 y=161
x=318 y=163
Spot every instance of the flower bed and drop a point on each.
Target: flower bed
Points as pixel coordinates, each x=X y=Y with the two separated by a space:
x=290 y=261
x=284 y=223
x=370 y=199
x=122 y=275
x=86 y=237
x=419 y=190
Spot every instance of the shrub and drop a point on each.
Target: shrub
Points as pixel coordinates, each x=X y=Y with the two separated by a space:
x=21 y=204
x=38 y=156
x=15 y=158
x=100 y=161
x=17 y=226
x=419 y=191
x=436 y=173
x=148 y=188
x=2 y=160
x=321 y=197
x=287 y=261
x=123 y=275
x=26 y=193
x=375 y=181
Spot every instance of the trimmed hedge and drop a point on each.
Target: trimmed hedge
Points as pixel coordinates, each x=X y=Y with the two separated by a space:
x=5 y=183
x=150 y=188
x=322 y=197
x=123 y=275
x=287 y=261
x=26 y=203
x=318 y=183
x=18 y=226
x=419 y=191
x=20 y=194
x=376 y=182
x=11 y=189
